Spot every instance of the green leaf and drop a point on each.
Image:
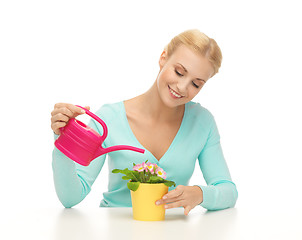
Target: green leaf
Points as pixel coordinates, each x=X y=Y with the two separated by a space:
x=120 y=171
x=132 y=175
x=169 y=183
x=125 y=178
x=137 y=177
x=133 y=185
x=136 y=174
x=155 y=179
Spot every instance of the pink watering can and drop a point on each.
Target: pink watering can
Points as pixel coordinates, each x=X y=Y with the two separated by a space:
x=82 y=144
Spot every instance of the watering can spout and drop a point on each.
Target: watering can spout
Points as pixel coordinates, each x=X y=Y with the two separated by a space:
x=100 y=151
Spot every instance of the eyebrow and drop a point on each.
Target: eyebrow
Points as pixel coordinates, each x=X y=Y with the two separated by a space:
x=187 y=71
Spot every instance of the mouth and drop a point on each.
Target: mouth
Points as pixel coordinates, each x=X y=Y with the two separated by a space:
x=174 y=94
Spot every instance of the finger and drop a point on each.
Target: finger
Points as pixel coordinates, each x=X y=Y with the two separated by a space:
x=168 y=200
x=174 y=193
x=59 y=117
x=175 y=204
x=76 y=110
x=87 y=107
x=187 y=208
x=66 y=111
x=171 y=200
x=67 y=108
x=56 y=127
x=62 y=110
x=67 y=105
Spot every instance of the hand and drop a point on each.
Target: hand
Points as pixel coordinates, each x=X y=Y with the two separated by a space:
x=62 y=113
x=182 y=196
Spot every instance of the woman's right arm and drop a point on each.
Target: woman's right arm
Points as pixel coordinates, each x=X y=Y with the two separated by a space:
x=72 y=181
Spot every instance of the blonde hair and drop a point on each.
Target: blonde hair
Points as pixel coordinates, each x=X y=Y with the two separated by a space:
x=199 y=42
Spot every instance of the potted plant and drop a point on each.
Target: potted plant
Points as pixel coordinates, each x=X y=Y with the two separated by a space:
x=147 y=184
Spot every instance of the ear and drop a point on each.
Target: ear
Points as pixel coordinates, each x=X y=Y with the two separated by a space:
x=163 y=59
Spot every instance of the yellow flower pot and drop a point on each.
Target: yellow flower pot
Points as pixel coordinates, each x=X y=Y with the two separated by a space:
x=143 y=202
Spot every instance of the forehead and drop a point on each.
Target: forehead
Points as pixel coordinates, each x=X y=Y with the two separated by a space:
x=195 y=63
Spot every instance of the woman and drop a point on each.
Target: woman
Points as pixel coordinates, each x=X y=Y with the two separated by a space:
x=174 y=131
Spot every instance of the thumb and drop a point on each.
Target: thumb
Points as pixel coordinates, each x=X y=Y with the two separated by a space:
x=82 y=111
x=87 y=107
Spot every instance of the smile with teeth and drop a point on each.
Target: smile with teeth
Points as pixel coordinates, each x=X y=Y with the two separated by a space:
x=174 y=93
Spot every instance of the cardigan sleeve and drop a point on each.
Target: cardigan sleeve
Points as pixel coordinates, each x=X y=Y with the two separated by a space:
x=73 y=181
x=220 y=192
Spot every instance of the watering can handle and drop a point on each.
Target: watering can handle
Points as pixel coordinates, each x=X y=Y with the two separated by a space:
x=95 y=117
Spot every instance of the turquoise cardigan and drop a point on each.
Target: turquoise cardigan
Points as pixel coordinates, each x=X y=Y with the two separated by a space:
x=197 y=139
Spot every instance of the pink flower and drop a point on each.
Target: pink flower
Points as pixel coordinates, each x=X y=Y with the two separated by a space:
x=140 y=167
x=151 y=167
x=161 y=173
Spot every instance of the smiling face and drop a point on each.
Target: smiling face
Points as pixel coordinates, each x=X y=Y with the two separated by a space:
x=182 y=75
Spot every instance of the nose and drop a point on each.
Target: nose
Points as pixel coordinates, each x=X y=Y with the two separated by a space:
x=182 y=87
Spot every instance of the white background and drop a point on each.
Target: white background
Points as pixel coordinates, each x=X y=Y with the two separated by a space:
x=96 y=52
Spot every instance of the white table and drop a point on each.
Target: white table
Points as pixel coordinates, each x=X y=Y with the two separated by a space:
x=117 y=223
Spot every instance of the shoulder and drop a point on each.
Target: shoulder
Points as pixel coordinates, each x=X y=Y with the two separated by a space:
x=110 y=110
x=197 y=112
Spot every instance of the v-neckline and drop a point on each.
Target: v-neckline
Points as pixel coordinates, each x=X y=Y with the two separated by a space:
x=139 y=144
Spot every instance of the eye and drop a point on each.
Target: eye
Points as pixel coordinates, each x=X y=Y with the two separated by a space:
x=179 y=74
x=195 y=85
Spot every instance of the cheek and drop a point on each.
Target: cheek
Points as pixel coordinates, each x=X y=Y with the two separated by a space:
x=193 y=92
x=166 y=77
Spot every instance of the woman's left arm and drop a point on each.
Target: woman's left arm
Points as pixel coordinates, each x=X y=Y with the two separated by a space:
x=220 y=192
